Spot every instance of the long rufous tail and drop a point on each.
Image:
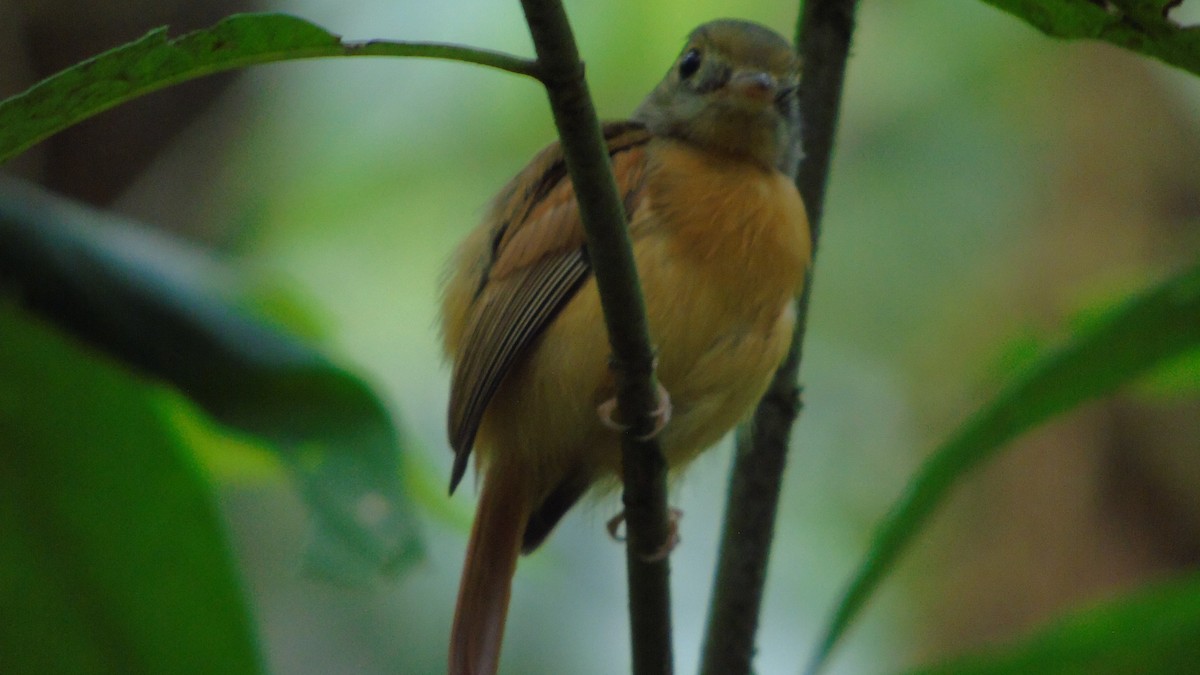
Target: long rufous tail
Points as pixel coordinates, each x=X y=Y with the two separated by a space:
x=487 y=579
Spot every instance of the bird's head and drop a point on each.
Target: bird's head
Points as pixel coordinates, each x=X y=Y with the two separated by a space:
x=732 y=91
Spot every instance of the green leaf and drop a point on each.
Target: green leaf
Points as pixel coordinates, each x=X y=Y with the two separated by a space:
x=1139 y=25
x=156 y=61
x=1142 y=333
x=151 y=63
x=172 y=311
x=113 y=557
x=1177 y=378
x=1155 y=630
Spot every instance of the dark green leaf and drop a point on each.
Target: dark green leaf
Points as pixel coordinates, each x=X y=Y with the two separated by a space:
x=113 y=557
x=156 y=61
x=1156 y=630
x=1179 y=377
x=151 y=63
x=171 y=311
x=1139 y=25
x=1142 y=333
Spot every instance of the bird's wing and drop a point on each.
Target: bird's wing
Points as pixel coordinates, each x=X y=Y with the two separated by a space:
x=538 y=260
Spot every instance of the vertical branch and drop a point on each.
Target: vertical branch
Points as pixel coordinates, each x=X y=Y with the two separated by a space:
x=645 y=470
x=823 y=38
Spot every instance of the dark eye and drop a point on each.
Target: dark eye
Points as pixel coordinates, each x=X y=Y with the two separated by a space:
x=689 y=64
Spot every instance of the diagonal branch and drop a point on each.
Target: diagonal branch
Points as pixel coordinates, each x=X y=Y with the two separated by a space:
x=645 y=470
x=823 y=36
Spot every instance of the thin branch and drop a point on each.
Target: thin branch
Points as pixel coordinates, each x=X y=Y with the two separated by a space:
x=823 y=36
x=645 y=470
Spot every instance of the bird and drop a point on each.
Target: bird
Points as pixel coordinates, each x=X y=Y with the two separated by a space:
x=721 y=244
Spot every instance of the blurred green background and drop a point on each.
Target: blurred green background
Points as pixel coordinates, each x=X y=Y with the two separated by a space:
x=989 y=186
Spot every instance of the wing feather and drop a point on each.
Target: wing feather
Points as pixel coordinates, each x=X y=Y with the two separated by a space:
x=537 y=261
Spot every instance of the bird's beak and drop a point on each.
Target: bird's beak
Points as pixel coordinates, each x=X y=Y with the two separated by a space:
x=753 y=86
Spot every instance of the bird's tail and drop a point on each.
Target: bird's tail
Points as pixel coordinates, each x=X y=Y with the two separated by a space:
x=487 y=579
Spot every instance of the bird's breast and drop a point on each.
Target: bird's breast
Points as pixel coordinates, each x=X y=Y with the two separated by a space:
x=729 y=232
x=722 y=248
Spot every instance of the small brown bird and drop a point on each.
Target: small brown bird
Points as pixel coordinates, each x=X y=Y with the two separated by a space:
x=721 y=243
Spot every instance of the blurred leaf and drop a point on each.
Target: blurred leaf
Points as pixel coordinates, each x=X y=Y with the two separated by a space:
x=1140 y=334
x=230 y=458
x=171 y=311
x=1172 y=378
x=273 y=299
x=1176 y=378
x=113 y=557
x=1139 y=25
x=156 y=61
x=1155 y=630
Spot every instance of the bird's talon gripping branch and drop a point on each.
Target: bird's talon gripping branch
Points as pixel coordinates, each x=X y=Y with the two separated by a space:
x=614 y=527
x=673 y=538
x=661 y=414
x=608 y=413
x=674 y=515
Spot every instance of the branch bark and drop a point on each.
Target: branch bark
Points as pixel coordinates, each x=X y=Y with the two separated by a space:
x=823 y=36
x=645 y=470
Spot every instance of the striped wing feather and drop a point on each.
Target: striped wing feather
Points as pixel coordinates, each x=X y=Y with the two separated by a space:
x=538 y=261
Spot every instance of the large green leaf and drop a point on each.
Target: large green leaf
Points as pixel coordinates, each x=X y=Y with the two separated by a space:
x=1155 y=630
x=1140 y=25
x=113 y=557
x=172 y=311
x=1146 y=331
x=156 y=61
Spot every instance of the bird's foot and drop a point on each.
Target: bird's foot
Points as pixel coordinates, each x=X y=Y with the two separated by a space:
x=661 y=415
x=673 y=517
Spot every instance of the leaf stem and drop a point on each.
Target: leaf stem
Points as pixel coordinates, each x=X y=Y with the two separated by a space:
x=438 y=50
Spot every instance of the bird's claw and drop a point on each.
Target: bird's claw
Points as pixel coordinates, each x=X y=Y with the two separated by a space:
x=661 y=415
x=673 y=516
x=614 y=527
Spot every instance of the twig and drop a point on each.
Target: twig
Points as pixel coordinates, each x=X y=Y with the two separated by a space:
x=823 y=36
x=645 y=471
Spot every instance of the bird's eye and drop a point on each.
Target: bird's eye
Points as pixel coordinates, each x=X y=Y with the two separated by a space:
x=689 y=64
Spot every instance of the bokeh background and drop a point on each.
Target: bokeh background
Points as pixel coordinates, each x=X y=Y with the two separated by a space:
x=989 y=187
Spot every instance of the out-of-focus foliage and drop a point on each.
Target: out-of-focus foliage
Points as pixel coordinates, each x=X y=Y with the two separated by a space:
x=172 y=311
x=1147 y=331
x=113 y=555
x=1152 y=630
x=1140 y=25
